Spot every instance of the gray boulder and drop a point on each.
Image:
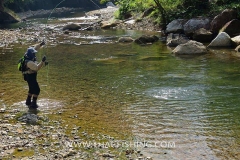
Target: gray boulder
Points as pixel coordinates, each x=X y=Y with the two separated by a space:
x=220 y=20
x=71 y=27
x=202 y=35
x=222 y=40
x=190 y=48
x=174 y=40
x=236 y=40
x=232 y=28
x=176 y=26
x=194 y=24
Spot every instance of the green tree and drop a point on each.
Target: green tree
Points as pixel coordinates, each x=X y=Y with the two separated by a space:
x=163 y=13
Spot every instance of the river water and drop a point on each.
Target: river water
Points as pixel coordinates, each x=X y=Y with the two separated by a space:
x=178 y=107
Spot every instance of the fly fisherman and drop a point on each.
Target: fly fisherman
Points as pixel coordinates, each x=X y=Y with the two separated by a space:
x=30 y=75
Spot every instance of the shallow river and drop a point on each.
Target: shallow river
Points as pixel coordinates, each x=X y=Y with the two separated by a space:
x=178 y=108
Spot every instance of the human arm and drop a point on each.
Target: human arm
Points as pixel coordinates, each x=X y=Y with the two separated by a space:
x=39 y=45
x=34 y=66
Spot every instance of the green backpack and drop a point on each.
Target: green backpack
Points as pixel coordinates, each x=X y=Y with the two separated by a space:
x=22 y=64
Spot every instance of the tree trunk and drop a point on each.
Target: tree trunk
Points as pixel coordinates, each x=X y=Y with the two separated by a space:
x=163 y=14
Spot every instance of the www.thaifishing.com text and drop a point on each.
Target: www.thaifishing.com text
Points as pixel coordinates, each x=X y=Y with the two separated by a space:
x=122 y=144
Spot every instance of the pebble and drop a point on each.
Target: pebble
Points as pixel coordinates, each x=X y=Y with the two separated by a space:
x=2 y=110
x=4 y=132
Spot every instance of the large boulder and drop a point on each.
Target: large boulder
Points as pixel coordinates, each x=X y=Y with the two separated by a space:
x=145 y=39
x=220 y=20
x=8 y=17
x=203 y=35
x=236 y=40
x=232 y=28
x=174 y=40
x=176 y=26
x=194 y=24
x=190 y=48
x=222 y=40
x=72 y=27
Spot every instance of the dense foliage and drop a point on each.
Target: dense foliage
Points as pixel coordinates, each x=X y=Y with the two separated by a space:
x=171 y=9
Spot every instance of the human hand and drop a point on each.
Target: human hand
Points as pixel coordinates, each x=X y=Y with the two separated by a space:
x=44 y=58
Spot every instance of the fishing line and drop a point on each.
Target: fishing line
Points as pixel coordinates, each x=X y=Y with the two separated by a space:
x=45 y=37
x=49 y=16
x=45 y=51
x=95 y=4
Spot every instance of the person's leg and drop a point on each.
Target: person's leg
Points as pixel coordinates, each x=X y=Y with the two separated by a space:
x=29 y=98
x=34 y=101
x=36 y=92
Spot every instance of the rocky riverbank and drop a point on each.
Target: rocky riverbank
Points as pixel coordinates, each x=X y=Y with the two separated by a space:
x=30 y=134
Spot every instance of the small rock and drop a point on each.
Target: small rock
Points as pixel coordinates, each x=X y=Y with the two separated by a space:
x=2 y=110
x=4 y=132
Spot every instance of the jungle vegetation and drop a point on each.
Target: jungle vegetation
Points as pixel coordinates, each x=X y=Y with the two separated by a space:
x=164 y=11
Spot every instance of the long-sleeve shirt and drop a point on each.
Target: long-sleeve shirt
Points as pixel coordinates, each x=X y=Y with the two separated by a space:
x=34 y=66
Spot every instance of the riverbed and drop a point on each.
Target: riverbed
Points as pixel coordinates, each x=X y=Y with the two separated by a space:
x=159 y=105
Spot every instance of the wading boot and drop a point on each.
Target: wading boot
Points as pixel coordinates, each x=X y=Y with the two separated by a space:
x=28 y=101
x=34 y=103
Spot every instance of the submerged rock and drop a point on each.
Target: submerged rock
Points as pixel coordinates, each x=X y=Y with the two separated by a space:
x=72 y=26
x=190 y=48
x=145 y=39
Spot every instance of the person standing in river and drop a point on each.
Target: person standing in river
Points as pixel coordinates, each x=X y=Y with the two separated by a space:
x=30 y=74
